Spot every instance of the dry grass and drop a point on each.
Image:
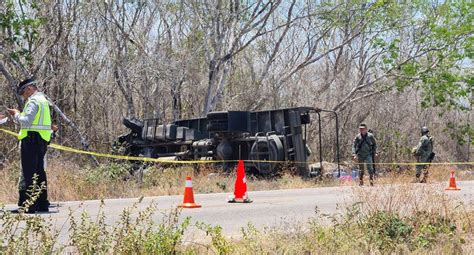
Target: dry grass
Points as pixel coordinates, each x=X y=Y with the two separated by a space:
x=407 y=200
x=69 y=181
x=388 y=219
x=439 y=223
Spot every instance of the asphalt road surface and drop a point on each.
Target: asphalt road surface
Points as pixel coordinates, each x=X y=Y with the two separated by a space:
x=269 y=208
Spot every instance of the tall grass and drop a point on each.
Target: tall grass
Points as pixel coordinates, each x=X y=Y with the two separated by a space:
x=70 y=181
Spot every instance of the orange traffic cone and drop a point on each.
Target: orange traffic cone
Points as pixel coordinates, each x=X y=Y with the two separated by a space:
x=452 y=182
x=240 y=191
x=188 y=201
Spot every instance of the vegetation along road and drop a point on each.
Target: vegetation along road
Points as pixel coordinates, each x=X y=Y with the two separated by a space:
x=271 y=209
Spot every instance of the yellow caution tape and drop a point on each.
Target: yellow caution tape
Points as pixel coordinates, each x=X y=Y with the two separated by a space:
x=131 y=158
x=158 y=160
x=9 y=132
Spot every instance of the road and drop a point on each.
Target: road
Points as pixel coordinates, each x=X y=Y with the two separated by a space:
x=269 y=209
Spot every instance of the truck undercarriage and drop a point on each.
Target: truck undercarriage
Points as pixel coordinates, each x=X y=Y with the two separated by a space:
x=264 y=139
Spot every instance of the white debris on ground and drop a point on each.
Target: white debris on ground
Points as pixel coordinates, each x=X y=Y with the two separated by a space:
x=330 y=170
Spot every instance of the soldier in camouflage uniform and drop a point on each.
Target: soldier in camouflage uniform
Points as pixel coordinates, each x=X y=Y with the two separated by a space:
x=424 y=154
x=363 y=150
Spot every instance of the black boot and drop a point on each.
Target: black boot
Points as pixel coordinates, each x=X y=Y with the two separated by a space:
x=43 y=203
x=22 y=197
x=417 y=179
x=424 y=179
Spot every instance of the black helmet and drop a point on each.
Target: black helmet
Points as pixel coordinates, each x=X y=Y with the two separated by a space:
x=424 y=130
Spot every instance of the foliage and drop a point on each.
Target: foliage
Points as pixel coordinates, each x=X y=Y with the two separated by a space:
x=21 y=25
x=131 y=234
x=387 y=230
x=219 y=242
x=108 y=172
x=461 y=132
x=441 y=66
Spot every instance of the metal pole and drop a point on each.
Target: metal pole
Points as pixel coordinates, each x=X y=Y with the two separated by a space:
x=337 y=145
x=337 y=141
x=320 y=143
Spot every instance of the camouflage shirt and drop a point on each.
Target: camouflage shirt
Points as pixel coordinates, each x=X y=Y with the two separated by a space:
x=364 y=146
x=424 y=148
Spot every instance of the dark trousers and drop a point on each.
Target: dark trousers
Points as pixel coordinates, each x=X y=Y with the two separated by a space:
x=33 y=150
x=366 y=163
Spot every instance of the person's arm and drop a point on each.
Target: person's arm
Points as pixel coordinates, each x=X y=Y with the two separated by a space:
x=54 y=129
x=27 y=117
x=354 y=147
x=419 y=146
x=374 y=146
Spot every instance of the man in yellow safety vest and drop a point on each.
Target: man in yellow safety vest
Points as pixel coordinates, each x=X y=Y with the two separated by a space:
x=35 y=134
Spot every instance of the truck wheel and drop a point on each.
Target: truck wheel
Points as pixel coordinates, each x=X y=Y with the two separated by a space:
x=263 y=150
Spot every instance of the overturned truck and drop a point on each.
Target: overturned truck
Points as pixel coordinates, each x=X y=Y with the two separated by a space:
x=265 y=139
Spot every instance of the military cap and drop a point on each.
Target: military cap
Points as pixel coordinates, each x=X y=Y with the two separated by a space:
x=22 y=85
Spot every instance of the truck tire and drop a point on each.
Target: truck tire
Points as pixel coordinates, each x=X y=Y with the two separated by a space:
x=266 y=150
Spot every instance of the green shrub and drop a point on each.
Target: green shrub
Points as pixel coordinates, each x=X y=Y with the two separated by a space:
x=220 y=244
x=167 y=237
x=129 y=235
x=108 y=172
x=430 y=228
x=386 y=230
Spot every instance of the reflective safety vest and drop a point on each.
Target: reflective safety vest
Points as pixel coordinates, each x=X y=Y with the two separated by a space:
x=42 y=121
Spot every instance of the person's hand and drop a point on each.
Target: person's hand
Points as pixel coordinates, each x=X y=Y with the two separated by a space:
x=3 y=119
x=54 y=128
x=354 y=157
x=13 y=112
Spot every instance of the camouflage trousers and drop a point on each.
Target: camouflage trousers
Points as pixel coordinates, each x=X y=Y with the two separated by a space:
x=420 y=169
x=366 y=163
